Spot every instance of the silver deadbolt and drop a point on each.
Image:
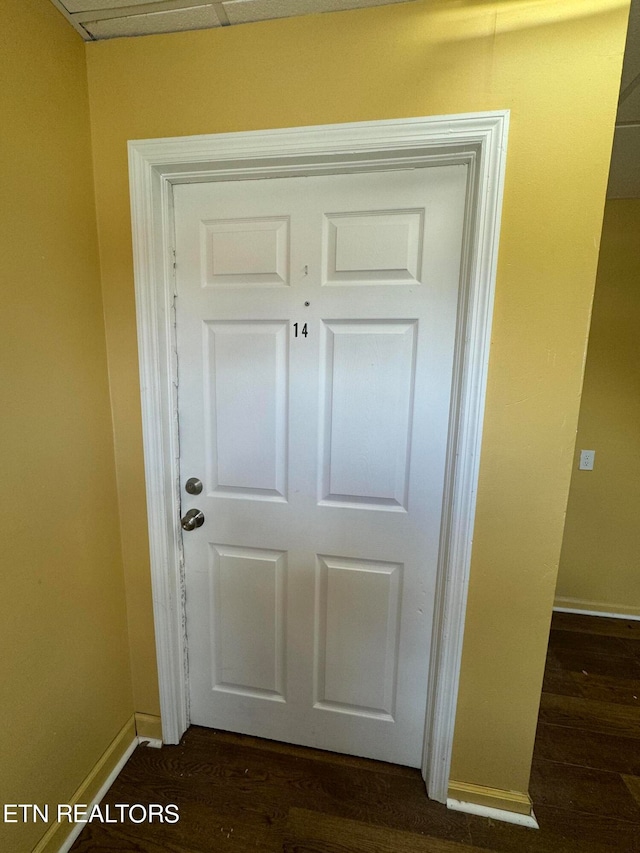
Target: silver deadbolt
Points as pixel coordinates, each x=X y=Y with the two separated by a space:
x=193 y=518
x=193 y=486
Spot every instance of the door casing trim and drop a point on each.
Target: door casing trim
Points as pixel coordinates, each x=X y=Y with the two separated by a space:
x=155 y=165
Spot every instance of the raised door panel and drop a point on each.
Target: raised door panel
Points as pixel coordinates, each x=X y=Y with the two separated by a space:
x=357 y=631
x=245 y=252
x=246 y=378
x=369 y=377
x=373 y=247
x=247 y=621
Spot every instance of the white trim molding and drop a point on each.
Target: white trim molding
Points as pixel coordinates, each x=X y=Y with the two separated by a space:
x=61 y=834
x=478 y=140
x=528 y=820
x=111 y=778
x=596 y=608
x=498 y=803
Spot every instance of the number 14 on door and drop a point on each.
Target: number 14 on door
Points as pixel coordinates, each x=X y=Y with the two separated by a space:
x=303 y=332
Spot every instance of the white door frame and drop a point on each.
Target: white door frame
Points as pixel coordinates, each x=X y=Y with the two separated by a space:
x=155 y=165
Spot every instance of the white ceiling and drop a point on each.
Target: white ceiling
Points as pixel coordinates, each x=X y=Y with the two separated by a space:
x=103 y=19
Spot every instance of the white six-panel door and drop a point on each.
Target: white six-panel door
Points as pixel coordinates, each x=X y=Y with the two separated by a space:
x=316 y=323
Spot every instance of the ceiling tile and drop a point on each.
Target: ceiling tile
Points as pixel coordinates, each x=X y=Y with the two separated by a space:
x=244 y=11
x=197 y=18
x=99 y=5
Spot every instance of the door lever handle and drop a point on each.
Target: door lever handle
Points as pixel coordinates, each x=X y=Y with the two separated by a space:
x=191 y=519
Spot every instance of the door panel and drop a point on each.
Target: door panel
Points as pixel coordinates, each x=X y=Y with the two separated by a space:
x=247 y=624
x=368 y=379
x=245 y=252
x=356 y=647
x=245 y=391
x=316 y=321
x=373 y=247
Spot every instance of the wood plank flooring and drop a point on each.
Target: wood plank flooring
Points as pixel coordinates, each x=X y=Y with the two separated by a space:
x=241 y=794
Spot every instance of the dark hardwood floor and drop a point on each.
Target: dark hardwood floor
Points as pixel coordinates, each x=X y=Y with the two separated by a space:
x=241 y=794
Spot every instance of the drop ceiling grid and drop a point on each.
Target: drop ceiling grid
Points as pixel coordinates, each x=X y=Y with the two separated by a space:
x=244 y=11
x=166 y=21
x=100 y=19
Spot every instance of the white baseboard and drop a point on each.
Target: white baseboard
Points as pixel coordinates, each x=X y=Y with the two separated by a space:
x=61 y=835
x=149 y=727
x=593 y=608
x=111 y=778
x=495 y=814
x=154 y=742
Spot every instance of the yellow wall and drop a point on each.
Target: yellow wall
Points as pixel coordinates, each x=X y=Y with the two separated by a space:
x=600 y=563
x=556 y=66
x=64 y=671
